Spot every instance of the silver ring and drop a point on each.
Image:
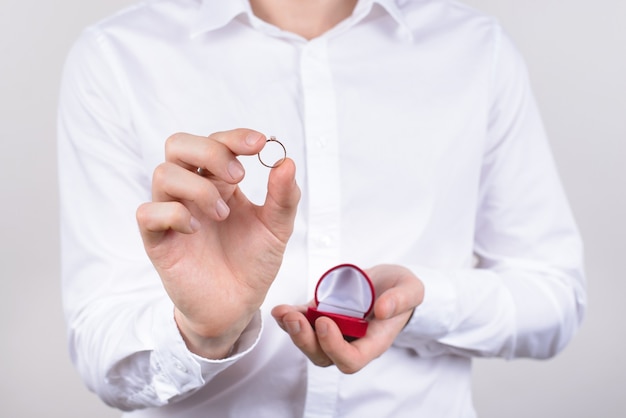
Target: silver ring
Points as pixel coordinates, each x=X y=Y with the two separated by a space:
x=280 y=161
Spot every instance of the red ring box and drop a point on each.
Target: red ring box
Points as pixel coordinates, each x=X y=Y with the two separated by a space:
x=346 y=295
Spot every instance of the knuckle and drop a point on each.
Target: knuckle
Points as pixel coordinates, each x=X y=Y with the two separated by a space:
x=160 y=174
x=214 y=151
x=172 y=142
x=142 y=214
x=178 y=213
x=209 y=152
x=216 y=135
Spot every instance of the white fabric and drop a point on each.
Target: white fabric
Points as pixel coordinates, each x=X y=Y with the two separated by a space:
x=417 y=142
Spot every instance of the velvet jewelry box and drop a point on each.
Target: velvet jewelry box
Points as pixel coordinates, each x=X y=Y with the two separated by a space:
x=346 y=295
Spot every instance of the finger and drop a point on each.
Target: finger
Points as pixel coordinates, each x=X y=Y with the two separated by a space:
x=215 y=153
x=157 y=218
x=301 y=333
x=400 y=292
x=241 y=141
x=278 y=312
x=173 y=183
x=344 y=355
x=282 y=199
x=350 y=357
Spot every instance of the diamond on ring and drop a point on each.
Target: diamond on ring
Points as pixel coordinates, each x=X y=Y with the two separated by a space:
x=279 y=158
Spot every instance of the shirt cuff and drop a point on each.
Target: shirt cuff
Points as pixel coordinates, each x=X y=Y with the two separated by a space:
x=178 y=370
x=247 y=341
x=434 y=318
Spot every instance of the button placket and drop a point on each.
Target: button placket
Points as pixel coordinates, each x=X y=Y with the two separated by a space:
x=323 y=188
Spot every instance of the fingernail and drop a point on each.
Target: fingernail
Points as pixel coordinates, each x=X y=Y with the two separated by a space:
x=222 y=209
x=293 y=327
x=235 y=170
x=253 y=138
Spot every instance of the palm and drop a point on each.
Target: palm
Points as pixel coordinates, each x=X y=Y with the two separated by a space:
x=236 y=259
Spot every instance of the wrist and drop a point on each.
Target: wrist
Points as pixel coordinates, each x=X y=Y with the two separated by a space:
x=207 y=343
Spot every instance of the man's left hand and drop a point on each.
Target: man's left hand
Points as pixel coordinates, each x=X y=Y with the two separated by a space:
x=399 y=293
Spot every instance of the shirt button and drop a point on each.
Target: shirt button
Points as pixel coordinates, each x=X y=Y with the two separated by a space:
x=322 y=141
x=180 y=366
x=324 y=241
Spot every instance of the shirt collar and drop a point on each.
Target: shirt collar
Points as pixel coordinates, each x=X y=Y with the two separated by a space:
x=215 y=14
x=364 y=8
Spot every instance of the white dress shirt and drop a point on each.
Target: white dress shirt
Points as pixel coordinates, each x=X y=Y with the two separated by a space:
x=417 y=142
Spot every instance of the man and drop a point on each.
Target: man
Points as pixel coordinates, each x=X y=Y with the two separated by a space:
x=415 y=151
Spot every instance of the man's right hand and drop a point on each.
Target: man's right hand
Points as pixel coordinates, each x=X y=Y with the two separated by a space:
x=216 y=252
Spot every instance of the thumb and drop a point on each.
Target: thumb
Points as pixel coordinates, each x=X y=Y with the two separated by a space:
x=399 y=291
x=281 y=202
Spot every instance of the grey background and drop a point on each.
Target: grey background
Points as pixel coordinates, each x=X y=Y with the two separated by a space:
x=576 y=52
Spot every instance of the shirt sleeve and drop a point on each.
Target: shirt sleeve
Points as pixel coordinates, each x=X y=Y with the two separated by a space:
x=526 y=296
x=121 y=331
